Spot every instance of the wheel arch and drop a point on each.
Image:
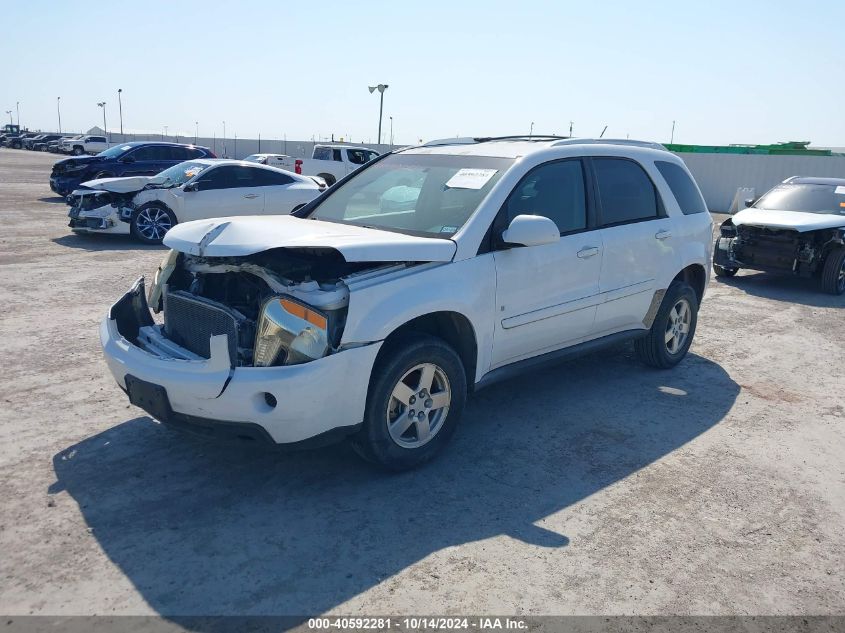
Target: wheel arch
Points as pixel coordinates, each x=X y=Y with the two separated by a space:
x=696 y=276
x=452 y=327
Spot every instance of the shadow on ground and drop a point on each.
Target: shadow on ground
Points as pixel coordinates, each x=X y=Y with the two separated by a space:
x=53 y=199
x=105 y=242
x=203 y=528
x=784 y=288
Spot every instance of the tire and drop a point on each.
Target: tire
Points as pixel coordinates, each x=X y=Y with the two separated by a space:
x=77 y=151
x=403 y=367
x=833 y=273
x=656 y=349
x=721 y=271
x=151 y=222
x=330 y=180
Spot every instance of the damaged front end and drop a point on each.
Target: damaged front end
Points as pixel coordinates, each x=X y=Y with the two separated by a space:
x=274 y=308
x=774 y=249
x=97 y=209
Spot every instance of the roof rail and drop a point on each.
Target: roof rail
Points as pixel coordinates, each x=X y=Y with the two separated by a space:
x=470 y=140
x=611 y=141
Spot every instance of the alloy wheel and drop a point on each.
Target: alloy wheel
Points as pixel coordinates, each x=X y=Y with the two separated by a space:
x=677 y=326
x=153 y=223
x=418 y=405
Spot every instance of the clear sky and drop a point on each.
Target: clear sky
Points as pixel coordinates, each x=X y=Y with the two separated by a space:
x=727 y=72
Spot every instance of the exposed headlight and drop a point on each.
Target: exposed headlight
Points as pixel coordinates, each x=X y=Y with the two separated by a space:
x=165 y=269
x=289 y=333
x=76 y=167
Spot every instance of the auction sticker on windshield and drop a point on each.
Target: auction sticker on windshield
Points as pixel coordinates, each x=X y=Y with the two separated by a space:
x=471 y=178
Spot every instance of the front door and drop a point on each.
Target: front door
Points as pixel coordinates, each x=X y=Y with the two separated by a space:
x=546 y=295
x=222 y=191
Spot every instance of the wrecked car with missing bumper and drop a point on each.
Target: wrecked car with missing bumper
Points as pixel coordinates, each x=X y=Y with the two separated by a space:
x=796 y=228
x=357 y=318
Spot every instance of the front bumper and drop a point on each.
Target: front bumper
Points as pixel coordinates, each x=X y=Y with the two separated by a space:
x=63 y=185
x=105 y=219
x=316 y=399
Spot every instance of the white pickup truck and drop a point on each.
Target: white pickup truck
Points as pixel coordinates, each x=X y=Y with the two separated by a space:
x=86 y=144
x=329 y=162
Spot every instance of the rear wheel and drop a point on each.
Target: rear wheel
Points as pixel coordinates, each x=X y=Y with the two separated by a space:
x=670 y=336
x=416 y=397
x=151 y=222
x=833 y=273
x=77 y=151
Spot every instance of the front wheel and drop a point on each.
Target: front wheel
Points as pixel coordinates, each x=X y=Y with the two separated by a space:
x=833 y=273
x=417 y=393
x=151 y=222
x=670 y=336
x=77 y=151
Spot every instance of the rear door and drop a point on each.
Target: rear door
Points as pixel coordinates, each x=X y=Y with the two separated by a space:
x=223 y=191
x=282 y=194
x=146 y=160
x=546 y=296
x=638 y=243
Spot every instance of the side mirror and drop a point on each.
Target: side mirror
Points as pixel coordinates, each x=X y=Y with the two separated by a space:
x=191 y=186
x=749 y=202
x=531 y=230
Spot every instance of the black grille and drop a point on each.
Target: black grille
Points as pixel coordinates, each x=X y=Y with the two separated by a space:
x=190 y=321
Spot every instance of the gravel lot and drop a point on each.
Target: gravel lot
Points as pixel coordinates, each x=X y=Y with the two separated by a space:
x=597 y=487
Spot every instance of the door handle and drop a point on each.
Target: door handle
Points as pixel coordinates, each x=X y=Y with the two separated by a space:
x=588 y=251
x=251 y=195
x=662 y=235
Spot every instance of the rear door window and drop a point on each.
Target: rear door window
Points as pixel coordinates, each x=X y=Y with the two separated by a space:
x=626 y=193
x=682 y=186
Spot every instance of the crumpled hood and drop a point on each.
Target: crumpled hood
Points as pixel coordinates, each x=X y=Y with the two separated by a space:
x=239 y=236
x=119 y=185
x=795 y=220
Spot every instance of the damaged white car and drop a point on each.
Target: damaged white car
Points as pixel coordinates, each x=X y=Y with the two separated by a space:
x=797 y=228
x=149 y=206
x=355 y=318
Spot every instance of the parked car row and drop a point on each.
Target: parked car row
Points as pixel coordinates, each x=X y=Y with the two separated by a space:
x=57 y=143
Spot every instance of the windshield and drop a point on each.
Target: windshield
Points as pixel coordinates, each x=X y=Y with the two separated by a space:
x=424 y=194
x=116 y=151
x=179 y=174
x=804 y=197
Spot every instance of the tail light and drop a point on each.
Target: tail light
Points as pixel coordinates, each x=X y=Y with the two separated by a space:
x=297 y=166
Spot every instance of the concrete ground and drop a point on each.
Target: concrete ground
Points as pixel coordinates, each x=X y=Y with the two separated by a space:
x=597 y=487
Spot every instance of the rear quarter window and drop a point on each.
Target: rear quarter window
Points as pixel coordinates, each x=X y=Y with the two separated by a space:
x=682 y=186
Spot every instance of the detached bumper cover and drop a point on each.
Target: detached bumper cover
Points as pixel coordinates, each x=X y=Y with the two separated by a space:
x=319 y=398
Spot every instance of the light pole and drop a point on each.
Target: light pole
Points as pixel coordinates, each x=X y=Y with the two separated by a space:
x=102 y=104
x=163 y=136
x=672 y=138
x=196 y=132
x=391 y=132
x=224 y=139
x=18 y=108
x=381 y=88
x=531 y=130
x=9 y=112
x=120 y=105
x=59 y=111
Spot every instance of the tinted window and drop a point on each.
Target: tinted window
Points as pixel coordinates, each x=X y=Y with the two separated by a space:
x=336 y=155
x=322 y=153
x=228 y=177
x=97 y=139
x=554 y=190
x=265 y=178
x=625 y=190
x=360 y=156
x=682 y=187
x=151 y=152
x=804 y=197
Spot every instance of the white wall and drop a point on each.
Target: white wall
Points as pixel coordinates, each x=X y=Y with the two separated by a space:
x=720 y=175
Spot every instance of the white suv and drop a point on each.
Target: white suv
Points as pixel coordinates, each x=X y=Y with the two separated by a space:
x=375 y=321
